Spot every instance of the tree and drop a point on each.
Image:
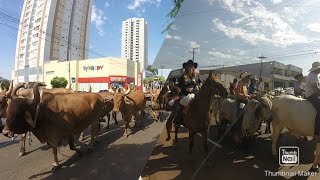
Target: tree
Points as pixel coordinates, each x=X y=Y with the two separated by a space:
x=59 y=82
x=5 y=85
x=172 y=14
x=154 y=71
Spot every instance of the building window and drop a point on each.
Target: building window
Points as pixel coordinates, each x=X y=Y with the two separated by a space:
x=35 y=43
x=38 y=20
x=49 y=72
x=37 y=27
x=21 y=55
x=36 y=35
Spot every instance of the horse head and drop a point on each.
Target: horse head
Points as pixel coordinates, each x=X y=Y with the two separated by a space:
x=213 y=86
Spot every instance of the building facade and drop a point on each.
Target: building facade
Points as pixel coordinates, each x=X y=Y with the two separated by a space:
x=50 y=30
x=274 y=74
x=100 y=73
x=134 y=41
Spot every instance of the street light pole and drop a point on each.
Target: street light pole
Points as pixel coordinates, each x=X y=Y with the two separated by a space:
x=261 y=58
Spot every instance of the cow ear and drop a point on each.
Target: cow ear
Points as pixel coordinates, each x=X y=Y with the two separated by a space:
x=28 y=117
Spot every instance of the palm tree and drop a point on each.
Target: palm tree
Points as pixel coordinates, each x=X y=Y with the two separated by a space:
x=173 y=13
x=154 y=71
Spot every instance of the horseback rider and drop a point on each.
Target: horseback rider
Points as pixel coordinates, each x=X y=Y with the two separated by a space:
x=252 y=86
x=298 y=89
x=242 y=97
x=313 y=93
x=188 y=84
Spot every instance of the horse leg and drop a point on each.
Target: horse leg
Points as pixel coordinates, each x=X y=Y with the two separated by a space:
x=267 y=128
x=176 y=130
x=222 y=127
x=205 y=140
x=277 y=128
x=108 y=125
x=127 y=126
x=23 y=145
x=169 y=126
x=191 y=140
x=259 y=130
x=317 y=156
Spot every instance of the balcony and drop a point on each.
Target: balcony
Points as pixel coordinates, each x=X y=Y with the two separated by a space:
x=286 y=78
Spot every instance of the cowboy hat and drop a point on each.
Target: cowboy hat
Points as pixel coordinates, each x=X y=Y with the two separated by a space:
x=244 y=75
x=298 y=75
x=315 y=66
x=190 y=62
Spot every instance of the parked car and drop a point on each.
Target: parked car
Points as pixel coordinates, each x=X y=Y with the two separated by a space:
x=289 y=90
x=105 y=90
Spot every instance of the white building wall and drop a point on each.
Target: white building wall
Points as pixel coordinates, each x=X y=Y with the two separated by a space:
x=44 y=33
x=134 y=44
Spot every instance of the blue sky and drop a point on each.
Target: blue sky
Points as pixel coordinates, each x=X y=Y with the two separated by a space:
x=105 y=29
x=234 y=32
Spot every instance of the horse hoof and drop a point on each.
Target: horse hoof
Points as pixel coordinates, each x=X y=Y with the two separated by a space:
x=22 y=153
x=259 y=132
x=168 y=138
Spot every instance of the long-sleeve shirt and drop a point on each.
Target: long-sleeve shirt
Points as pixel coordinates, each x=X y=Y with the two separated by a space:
x=183 y=84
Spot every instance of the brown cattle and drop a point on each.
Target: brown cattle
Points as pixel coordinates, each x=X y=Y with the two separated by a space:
x=108 y=100
x=55 y=118
x=132 y=103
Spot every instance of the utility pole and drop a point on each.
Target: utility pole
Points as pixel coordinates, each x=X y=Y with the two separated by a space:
x=193 y=52
x=261 y=58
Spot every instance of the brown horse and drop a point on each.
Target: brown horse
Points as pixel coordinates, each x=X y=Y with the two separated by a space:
x=198 y=116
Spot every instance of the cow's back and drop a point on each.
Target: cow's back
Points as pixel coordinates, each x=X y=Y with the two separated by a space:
x=62 y=115
x=139 y=99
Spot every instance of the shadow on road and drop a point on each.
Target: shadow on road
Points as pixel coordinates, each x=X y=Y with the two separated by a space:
x=172 y=161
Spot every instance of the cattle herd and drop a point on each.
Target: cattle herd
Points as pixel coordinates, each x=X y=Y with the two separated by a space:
x=58 y=116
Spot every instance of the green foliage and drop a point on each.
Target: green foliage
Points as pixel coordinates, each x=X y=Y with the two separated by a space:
x=154 y=71
x=59 y=82
x=152 y=79
x=5 y=85
x=172 y=14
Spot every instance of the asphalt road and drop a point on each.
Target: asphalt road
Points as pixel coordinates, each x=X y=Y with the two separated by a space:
x=173 y=161
x=115 y=157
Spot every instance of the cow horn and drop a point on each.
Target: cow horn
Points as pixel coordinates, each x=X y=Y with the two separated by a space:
x=8 y=93
x=128 y=91
x=15 y=89
x=36 y=96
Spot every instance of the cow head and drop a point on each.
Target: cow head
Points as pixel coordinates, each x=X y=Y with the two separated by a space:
x=212 y=86
x=255 y=112
x=118 y=100
x=4 y=100
x=21 y=112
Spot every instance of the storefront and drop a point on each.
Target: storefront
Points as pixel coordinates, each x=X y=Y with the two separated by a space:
x=100 y=73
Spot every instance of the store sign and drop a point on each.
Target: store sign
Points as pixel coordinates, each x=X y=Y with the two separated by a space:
x=140 y=81
x=92 y=68
x=117 y=79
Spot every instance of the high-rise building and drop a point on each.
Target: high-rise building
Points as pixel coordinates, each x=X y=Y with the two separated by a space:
x=50 y=30
x=134 y=45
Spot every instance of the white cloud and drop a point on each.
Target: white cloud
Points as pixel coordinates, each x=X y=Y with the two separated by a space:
x=276 y=1
x=173 y=37
x=218 y=54
x=269 y=22
x=106 y=4
x=138 y=3
x=314 y=27
x=98 y=18
x=194 y=44
x=174 y=27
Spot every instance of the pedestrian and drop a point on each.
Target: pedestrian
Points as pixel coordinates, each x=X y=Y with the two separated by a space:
x=233 y=86
x=261 y=85
x=298 y=88
x=252 y=85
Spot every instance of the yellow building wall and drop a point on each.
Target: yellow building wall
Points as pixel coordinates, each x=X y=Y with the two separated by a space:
x=90 y=68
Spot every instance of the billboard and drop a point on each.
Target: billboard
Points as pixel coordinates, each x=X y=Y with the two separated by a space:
x=139 y=81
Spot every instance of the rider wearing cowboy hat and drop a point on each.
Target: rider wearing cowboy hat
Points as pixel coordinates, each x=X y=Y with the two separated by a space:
x=242 y=97
x=188 y=82
x=298 y=90
x=313 y=92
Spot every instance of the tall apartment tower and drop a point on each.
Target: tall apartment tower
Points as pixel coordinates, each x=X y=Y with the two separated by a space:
x=50 y=30
x=134 y=44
